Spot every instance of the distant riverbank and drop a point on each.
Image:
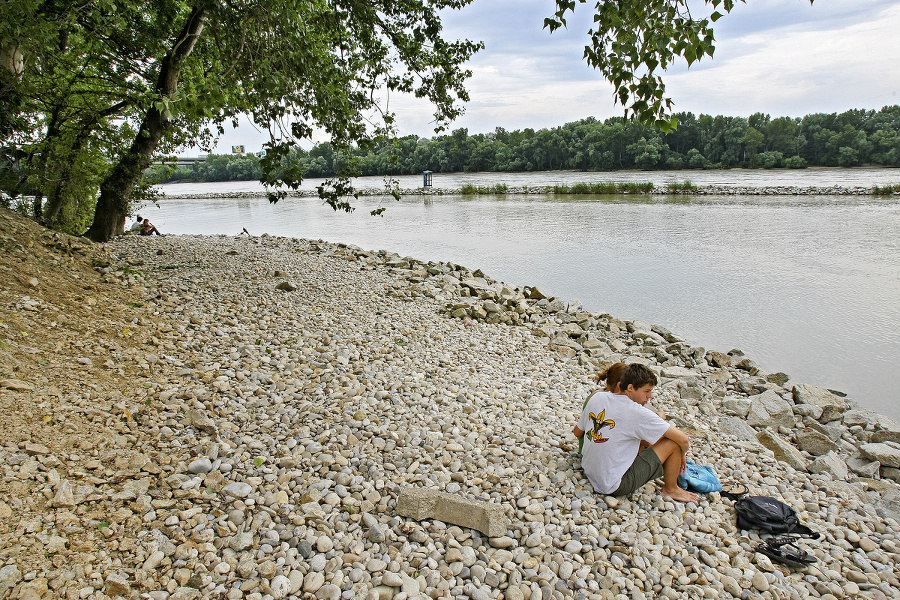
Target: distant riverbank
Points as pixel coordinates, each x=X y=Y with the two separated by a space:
x=683 y=189
x=728 y=181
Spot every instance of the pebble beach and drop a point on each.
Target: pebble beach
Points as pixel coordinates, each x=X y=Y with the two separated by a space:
x=292 y=390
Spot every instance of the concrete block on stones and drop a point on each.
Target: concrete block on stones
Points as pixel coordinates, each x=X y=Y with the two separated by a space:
x=424 y=503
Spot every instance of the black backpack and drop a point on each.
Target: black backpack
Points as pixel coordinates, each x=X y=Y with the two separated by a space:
x=768 y=515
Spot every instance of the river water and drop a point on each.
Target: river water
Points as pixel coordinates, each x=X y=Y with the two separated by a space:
x=808 y=285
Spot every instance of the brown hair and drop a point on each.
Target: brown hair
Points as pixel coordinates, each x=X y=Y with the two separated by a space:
x=611 y=375
x=637 y=375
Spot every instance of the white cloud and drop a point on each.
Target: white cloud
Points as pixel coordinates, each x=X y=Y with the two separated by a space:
x=794 y=70
x=783 y=57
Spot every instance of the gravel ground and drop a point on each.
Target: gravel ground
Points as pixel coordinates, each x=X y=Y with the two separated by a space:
x=235 y=417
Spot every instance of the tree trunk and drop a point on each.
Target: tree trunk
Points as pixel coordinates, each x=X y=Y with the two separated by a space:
x=116 y=189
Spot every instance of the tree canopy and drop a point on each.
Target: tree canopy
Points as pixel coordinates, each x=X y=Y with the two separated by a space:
x=848 y=139
x=122 y=82
x=92 y=92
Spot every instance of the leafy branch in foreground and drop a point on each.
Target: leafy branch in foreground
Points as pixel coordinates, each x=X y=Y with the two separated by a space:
x=631 y=41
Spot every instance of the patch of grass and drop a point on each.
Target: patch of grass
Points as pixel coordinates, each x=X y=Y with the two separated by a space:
x=102 y=524
x=684 y=186
x=497 y=188
x=136 y=304
x=885 y=190
x=604 y=187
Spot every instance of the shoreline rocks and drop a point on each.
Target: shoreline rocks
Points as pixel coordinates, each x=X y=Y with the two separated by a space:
x=702 y=190
x=268 y=441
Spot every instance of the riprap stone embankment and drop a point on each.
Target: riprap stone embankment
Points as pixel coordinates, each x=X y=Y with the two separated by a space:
x=703 y=190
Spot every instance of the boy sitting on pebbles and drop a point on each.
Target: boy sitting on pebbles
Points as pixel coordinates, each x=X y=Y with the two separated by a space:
x=627 y=444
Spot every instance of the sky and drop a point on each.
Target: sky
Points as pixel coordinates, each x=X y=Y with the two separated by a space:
x=781 y=57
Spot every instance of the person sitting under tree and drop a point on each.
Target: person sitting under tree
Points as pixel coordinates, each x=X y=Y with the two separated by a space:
x=136 y=226
x=147 y=228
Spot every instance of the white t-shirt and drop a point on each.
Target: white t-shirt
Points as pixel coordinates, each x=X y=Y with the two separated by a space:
x=613 y=427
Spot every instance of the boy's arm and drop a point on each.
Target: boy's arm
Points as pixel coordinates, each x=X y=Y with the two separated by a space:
x=680 y=438
x=578 y=433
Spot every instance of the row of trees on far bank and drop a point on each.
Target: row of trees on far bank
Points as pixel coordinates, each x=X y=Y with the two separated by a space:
x=852 y=138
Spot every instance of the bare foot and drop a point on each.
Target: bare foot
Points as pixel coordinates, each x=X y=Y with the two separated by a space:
x=680 y=495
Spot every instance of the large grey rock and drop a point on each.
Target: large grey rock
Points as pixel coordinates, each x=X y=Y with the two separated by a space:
x=745 y=364
x=425 y=503
x=808 y=410
x=738 y=428
x=891 y=473
x=832 y=464
x=832 y=406
x=886 y=429
x=718 y=359
x=241 y=541
x=556 y=306
x=778 y=378
x=887 y=455
x=783 y=450
x=536 y=293
x=679 y=373
x=770 y=410
x=739 y=406
x=857 y=417
x=889 y=503
x=864 y=468
x=571 y=329
x=815 y=442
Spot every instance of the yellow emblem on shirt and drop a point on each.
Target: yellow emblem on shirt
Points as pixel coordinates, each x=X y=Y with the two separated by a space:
x=600 y=421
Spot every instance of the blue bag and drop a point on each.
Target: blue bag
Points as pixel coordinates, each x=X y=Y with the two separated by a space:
x=699 y=478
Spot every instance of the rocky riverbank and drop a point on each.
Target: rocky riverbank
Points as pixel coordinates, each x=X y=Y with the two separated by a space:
x=704 y=190
x=233 y=417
